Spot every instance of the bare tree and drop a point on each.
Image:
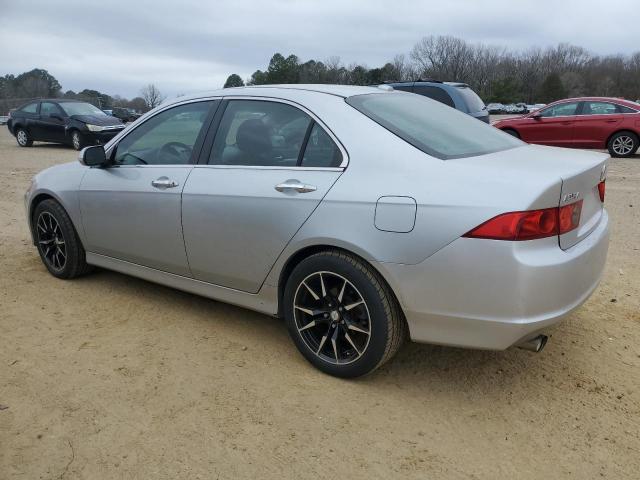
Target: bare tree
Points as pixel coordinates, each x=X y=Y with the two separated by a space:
x=152 y=96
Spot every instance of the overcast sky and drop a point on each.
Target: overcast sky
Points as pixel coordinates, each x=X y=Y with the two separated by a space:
x=184 y=46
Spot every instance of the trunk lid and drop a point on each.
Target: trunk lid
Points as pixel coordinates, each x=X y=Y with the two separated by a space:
x=534 y=166
x=583 y=186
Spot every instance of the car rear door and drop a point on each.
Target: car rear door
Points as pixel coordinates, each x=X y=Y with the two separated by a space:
x=595 y=123
x=131 y=211
x=553 y=126
x=267 y=166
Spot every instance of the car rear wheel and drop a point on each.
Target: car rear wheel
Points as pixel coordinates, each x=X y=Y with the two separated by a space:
x=341 y=315
x=23 y=138
x=512 y=132
x=623 y=144
x=58 y=244
x=77 y=140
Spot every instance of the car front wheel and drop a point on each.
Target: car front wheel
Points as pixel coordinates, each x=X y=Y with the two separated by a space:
x=341 y=315
x=77 y=140
x=23 y=138
x=623 y=144
x=58 y=244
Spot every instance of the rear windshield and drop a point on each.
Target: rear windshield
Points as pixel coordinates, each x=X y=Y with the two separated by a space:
x=471 y=98
x=432 y=127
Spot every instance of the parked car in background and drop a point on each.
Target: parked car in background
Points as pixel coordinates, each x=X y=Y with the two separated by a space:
x=124 y=114
x=4 y=119
x=108 y=111
x=358 y=214
x=457 y=95
x=495 y=108
x=71 y=122
x=589 y=122
x=536 y=106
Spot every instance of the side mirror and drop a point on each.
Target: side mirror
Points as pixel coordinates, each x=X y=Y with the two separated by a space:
x=57 y=116
x=536 y=115
x=93 y=156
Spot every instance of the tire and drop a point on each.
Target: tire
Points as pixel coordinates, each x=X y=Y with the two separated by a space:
x=53 y=229
x=511 y=132
x=77 y=140
x=363 y=327
x=23 y=138
x=623 y=144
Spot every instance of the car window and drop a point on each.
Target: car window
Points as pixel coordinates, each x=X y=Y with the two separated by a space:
x=259 y=133
x=471 y=99
x=623 y=109
x=437 y=130
x=164 y=139
x=436 y=93
x=321 y=150
x=48 y=108
x=560 y=110
x=599 y=108
x=30 y=108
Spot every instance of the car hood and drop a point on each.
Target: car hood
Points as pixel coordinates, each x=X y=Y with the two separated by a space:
x=103 y=121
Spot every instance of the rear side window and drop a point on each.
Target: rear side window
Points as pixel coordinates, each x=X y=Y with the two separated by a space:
x=435 y=93
x=471 y=99
x=437 y=130
x=321 y=151
x=623 y=109
x=599 y=108
x=260 y=133
x=30 y=108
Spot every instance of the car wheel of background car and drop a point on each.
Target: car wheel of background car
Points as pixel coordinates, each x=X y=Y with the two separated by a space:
x=58 y=244
x=77 y=140
x=23 y=138
x=341 y=315
x=512 y=132
x=623 y=144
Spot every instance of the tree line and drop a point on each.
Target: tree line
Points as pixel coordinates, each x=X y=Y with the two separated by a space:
x=39 y=83
x=497 y=74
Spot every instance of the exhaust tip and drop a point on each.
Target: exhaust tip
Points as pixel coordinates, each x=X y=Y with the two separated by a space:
x=536 y=344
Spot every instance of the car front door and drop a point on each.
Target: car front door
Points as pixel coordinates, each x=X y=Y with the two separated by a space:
x=550 y=126
x=50 y=125
x=131 y=211
x=269 y=166
x=595 y=123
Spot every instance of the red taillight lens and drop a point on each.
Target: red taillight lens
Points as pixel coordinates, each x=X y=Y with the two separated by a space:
x=517 y=226
x=601 y=188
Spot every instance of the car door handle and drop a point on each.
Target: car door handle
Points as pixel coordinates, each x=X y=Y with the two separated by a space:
x=295 y=185
x=163 y=182
x=611 y=120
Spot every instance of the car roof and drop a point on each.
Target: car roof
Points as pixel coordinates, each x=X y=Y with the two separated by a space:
x=598 y=99
x=285 y=91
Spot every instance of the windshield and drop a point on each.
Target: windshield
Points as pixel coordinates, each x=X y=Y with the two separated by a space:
x=434 y=128
x=81 y=108
x=471 y=98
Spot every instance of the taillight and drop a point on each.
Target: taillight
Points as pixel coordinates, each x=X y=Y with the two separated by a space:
x=601 y=188
x=529 y=225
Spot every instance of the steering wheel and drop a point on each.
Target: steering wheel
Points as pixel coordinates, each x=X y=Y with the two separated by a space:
x=175 y=150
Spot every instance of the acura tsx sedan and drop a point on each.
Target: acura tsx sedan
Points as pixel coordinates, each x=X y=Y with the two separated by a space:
x=361 y=215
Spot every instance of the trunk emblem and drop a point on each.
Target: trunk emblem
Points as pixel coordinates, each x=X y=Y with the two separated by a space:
x=570 y=196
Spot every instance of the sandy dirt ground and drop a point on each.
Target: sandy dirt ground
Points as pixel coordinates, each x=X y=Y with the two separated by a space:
x=110 y=377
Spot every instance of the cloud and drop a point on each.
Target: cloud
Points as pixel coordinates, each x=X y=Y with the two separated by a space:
x=194 y=45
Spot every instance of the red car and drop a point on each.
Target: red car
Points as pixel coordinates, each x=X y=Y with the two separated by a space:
x=589 y=122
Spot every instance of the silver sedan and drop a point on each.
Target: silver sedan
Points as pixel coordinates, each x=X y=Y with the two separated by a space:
x=361 y=215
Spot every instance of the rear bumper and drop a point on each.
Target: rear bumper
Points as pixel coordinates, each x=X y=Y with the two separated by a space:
x=491 y=294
